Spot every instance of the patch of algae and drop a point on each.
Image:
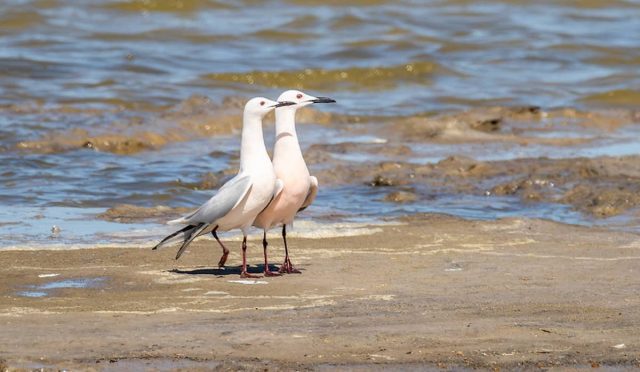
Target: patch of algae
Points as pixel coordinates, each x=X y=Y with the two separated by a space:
x=353 y=78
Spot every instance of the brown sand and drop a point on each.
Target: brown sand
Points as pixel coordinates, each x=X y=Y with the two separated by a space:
x=427 y=292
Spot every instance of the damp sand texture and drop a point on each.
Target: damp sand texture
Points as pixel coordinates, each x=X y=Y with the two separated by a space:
x=425 y=292
x=143 y=115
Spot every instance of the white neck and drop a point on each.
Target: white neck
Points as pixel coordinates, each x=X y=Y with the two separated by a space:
x=286 y=138
x=252 y=147
x=286 y=123
x=287 y=154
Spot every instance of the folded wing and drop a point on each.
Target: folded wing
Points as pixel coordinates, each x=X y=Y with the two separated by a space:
x=227 y=198
x=311 y=195
x=229 y=195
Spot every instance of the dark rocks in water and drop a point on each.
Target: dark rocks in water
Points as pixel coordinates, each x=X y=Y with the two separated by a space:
x=509 y=188
x=535 y=110
x=219 y=154
x=382 y=181
x=522 y=185
x=401 y=197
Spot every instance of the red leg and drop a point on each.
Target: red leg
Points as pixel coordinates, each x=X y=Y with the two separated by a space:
x=287 y=266
x=267 y=272
x=244 y=273
x=225 y=251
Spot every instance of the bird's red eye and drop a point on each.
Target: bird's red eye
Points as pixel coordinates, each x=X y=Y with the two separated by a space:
x=299 y=96
x=261 y=103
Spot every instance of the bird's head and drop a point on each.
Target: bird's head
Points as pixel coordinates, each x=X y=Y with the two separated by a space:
x=301 y=99
x=260 y=106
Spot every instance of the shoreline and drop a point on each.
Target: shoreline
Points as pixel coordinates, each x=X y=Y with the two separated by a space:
x=432 y=292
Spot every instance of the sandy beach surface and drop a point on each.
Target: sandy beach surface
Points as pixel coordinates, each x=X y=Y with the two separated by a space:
x=425 y=292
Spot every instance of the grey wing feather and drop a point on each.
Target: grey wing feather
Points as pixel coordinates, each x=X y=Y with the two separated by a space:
x=229 y=195
x=311 y=196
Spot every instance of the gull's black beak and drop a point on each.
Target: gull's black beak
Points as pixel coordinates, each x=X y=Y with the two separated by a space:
x=323 y=100
x=284 y=103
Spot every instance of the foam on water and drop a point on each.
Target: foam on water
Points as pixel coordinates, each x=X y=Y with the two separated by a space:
x=93 y=233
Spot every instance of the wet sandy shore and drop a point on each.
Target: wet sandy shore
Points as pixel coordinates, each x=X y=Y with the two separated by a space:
x=423 y=292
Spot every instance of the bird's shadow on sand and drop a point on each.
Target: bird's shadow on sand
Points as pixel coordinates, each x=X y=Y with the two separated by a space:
x=229 y=270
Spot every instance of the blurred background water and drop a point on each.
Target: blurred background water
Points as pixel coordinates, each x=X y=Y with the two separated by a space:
x=112 y=67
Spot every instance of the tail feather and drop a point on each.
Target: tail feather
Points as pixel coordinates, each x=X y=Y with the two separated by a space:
x=178 y=235
x=189 y=236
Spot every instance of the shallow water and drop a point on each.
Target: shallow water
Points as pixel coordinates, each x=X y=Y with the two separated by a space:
x=49 y=288
x=77 y=74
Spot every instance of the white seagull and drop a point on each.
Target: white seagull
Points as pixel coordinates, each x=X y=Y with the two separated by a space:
x=300 y=188
x=242 y=198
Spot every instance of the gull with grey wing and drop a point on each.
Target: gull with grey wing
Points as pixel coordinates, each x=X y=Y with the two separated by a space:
x=241 y=199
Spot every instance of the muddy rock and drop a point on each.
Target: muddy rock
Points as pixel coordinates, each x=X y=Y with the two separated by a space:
x=526 y=186
x=602 y=119
x=357 y=147
x=127 y=213
x=462 y=166
x=498 y=115
x=198 y=115
x=416 y=129
x=392 y=174
x=602 y=187
x=603 y=201
x=472 y=125
x=449 y=129
x=195 y=117
x=309 y=115
x=335 y=172
x=124 y=145
x=401 y=197
x=210 y=180
x=121 y=144
x=488 y=125
x=503 y=124
x=382 y=181
x=196 y=104
x=316 y=154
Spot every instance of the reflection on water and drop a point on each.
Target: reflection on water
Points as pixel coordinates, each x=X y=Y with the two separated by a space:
x=94 y=107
